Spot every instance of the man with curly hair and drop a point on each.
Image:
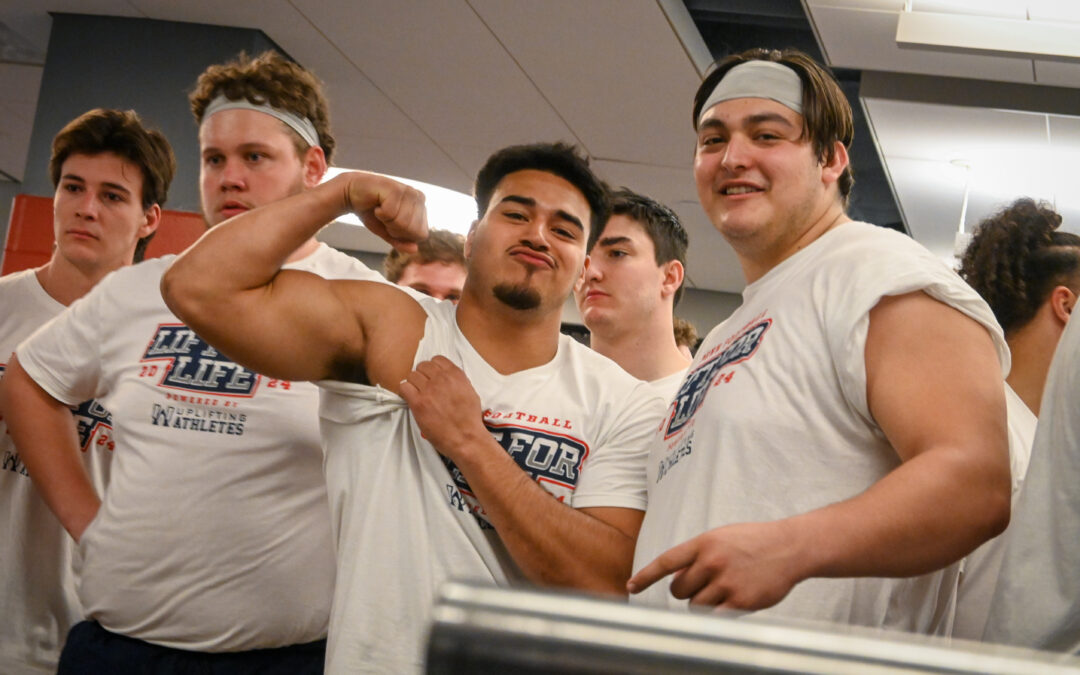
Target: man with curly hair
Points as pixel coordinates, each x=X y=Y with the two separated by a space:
x=211 y=548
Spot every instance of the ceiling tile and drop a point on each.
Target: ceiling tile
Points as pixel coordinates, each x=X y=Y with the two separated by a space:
x=629 y=100
x=866 y=40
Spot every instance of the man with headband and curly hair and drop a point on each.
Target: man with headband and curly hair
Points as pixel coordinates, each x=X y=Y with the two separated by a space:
x=839 y=442
x=212 y=546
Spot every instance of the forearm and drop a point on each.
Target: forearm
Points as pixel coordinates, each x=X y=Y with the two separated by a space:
x=926 y=514
x=247 y=251
x=43 y=430
x=552 y=543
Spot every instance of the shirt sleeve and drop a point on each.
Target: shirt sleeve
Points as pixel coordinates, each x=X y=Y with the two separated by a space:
x=64 y=356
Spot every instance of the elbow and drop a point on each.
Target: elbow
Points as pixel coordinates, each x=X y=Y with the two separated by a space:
x=182 y=293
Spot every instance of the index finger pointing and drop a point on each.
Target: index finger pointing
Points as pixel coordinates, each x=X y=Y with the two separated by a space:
x=672 y=560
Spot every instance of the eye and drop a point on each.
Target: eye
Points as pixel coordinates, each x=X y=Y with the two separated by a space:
x=114 y=197
x=254 y=156
x=213 y=160
x=616 y=253
x=515 y=215
x=564 y=232
x=72 y=187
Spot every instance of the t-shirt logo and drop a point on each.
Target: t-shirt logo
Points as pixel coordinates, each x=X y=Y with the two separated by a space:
x=697 y=384
x=192 y=365
x=92 y=419
x=553 y=460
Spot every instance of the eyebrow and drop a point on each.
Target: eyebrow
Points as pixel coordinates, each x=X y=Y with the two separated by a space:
x=529 y=201
x=759 y=118
x=612 y=241
x=80 y=179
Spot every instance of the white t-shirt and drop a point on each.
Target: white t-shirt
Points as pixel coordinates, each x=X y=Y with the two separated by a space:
x=404 y=522
x=980 y=569
x=666 y=387
x=1037 y=600
x=214 y=534
x=37 y=587
x=773 y=420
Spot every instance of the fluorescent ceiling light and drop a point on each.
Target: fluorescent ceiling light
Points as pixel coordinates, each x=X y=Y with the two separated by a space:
x=447 y=209
x=989 y=35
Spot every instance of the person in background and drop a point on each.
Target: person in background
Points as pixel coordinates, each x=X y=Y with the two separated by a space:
x=111 y=174
x=1016 y=588
x=436 y=268
x=633 y=279
x=839 y=443
x=686 y=337
x=211 y=547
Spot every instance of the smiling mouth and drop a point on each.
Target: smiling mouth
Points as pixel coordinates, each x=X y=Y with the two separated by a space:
x=739 y=190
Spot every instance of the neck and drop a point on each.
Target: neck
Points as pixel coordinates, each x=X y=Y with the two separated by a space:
x=65 y=282
x=757 y=260
x=648 y=353
x=1032 y=350
x=509 y=340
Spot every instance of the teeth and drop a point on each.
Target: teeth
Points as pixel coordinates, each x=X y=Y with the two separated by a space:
x=740 y=190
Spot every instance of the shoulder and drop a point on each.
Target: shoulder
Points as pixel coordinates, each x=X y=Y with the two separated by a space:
x=606 y=381
x=16 y=281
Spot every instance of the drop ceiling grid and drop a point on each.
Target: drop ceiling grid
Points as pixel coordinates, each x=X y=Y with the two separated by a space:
x=614 y=69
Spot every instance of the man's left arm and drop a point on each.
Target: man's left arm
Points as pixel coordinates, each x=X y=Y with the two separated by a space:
x=934 y=386
x=552 y=543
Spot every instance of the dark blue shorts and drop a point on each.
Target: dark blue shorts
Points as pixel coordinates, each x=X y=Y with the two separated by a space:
x=92 y=650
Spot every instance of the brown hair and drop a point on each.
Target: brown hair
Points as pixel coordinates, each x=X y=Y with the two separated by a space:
x=122 y=133
x=269 y=78
x=826 y=112
x=442 y=246
x=685 y=333
x=1017 y=257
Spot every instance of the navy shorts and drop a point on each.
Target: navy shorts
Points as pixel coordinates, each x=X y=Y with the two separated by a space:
x=92 y=650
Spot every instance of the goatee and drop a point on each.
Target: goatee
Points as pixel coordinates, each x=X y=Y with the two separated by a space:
x=517 y=296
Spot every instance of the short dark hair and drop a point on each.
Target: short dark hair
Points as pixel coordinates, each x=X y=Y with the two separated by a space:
x=660 y=223
x=272 y=79
x=122 y=133
x=826 y=112
x=1016 y=258
x=561 y=159
x=441 y=246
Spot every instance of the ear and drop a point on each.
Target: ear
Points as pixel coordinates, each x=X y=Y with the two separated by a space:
x=314 y=165
x=153 y=219
x=674 y=273
x=1062 y=300
x=469 y=238
x=584 y=271
x=832 y=169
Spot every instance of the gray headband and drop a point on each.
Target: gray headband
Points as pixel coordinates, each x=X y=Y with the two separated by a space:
x=300 y=125
x=758 y=79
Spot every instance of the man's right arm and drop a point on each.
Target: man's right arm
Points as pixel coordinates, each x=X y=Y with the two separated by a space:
x=230 y=288
x=44 y=434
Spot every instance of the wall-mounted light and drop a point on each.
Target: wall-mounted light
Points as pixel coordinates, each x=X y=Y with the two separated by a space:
x=996 y=36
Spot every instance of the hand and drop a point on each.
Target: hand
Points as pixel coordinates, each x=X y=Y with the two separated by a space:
x=392 y=211
x=445 y=407
x=745 y=566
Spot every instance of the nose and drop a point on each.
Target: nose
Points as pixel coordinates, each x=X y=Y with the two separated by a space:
x=233 y=175
x=534 y=234
x=592 y=271
x=736 y=153
x=87 y=206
